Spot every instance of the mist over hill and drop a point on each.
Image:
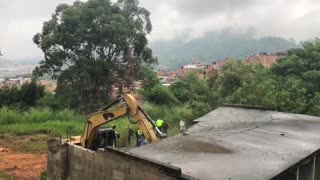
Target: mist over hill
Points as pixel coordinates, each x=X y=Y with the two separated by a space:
x=215 y=46
x=9 y=63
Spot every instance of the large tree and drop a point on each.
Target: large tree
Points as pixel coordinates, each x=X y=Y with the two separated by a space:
x=299 y=76
x=90 y=46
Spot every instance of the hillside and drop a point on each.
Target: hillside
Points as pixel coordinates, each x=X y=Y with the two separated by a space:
x=215 y=46
x=8 y=63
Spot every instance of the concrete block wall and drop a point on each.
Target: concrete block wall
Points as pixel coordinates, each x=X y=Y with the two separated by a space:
x=57 y=159
x=67 y=161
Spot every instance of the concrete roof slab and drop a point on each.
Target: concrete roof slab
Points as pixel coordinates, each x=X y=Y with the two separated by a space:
x=236 y=143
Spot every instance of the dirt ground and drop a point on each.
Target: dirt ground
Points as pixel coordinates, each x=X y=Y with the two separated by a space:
x=20 y=165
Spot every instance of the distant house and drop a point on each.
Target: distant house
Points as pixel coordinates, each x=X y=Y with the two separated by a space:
x=134 y=90
x=48 y=85
x=267 y=60
x=14 y=82
x=217 y=65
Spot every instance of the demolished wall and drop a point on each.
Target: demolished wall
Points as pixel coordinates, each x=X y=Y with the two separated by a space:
x=70 y=161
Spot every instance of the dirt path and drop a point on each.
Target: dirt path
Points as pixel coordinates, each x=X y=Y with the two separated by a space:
x=21 y=165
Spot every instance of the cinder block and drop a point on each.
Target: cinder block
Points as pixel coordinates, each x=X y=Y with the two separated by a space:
x=88 y=155
x=166 y=178
x=136 y=173
x=100 y=177
x=152 y=176
x=84 y=164
x=99 y=157
x=117 y=175
x=57 y=156
x=76 y=166
x=78 y=151
x=75 y=177
x=70 y=150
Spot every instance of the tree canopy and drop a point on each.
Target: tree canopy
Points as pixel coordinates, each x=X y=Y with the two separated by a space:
x=291 y=85
x=21 y=97
x=90 y=46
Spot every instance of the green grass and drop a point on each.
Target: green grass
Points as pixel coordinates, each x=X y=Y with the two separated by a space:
x=57 y=123
x=40 y=121
x=171 y=114
x=53 y=128
x=43 y=175
x=4 y=176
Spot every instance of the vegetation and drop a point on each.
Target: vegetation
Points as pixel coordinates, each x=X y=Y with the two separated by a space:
x=25 y=96
x=43 y=175
x=90 y=46
x=291 y=85
x=44 y=123
x=40 y=121
x=5 y=176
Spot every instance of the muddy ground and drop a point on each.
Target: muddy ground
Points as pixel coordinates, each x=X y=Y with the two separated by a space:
x=17 y=163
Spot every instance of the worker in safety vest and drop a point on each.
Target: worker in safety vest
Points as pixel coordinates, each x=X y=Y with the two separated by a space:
x=139 y=136
x=159 y=124
x=183 y=127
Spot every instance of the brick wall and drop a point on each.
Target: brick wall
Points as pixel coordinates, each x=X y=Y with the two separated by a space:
x=66 y=161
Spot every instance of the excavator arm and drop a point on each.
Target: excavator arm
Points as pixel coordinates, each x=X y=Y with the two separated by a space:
x=131 y=108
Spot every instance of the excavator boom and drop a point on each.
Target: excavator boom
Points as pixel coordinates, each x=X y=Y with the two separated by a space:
x=131 y=108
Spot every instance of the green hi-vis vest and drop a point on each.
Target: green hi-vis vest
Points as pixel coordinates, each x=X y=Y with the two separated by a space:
x=139 y=132
x=159 y=123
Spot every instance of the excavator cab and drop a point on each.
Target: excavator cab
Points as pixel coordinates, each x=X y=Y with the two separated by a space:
x=91 y=138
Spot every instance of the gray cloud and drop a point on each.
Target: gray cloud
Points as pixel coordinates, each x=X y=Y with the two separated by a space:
x=205 y=7
x=21 y=19
x=14 y=10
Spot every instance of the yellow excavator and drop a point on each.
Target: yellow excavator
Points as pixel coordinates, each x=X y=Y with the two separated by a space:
x=130 y=108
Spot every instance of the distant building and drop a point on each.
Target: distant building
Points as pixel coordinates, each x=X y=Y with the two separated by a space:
x=48 y=85
x=267 y=60
x=134 y=90
x=14 y=82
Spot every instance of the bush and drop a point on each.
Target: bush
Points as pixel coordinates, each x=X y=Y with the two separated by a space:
x=43 y=175
x=9 y=116
x=23 y=97
x=161 y=95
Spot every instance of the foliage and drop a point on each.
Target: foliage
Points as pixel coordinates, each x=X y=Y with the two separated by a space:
x=153 y=90
x=43 y=175
x=171 y=114
x=195 y=93
x=160 y=95
x=298 y=75
x=291 y=85
x=24 y=97
x=5 y=176
x=149 y=78
x=90 y=46
x=51 y=101
x=37 y=115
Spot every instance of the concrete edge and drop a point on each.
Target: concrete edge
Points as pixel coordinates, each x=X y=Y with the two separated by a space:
x=295 y=166
x=165 y=168
x=244 y=106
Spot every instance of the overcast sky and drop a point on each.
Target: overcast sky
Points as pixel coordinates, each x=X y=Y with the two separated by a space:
x=298 y=19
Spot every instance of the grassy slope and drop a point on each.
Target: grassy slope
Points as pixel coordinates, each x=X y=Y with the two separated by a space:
x=56 y=124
